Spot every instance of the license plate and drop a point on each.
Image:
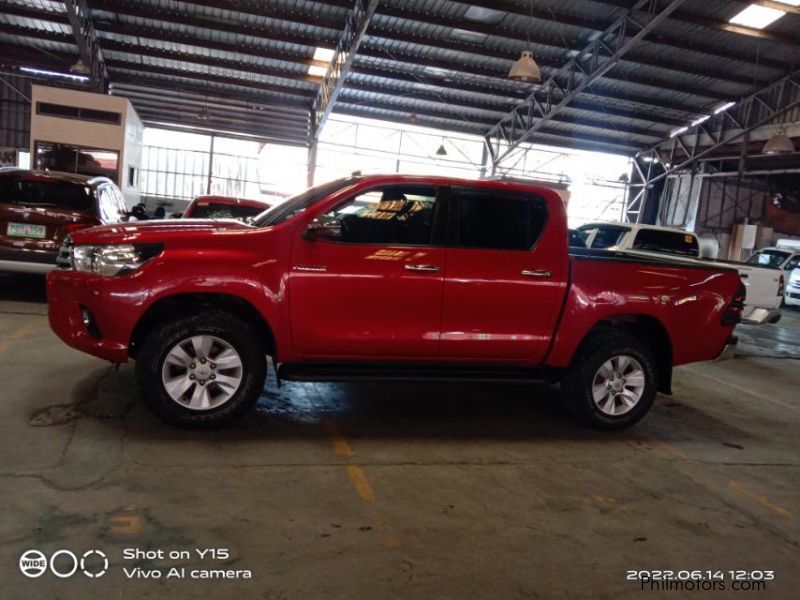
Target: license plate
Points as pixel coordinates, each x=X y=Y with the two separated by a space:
x=26 y=230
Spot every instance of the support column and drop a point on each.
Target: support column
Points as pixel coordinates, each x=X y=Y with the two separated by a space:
x=312 y=162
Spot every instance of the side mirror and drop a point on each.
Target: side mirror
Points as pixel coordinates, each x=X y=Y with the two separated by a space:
x=317 y=230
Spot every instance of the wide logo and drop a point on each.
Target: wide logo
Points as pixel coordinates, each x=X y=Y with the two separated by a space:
x=63 y=563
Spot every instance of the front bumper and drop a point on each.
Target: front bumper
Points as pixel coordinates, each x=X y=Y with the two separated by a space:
x=759 y=316
x=106 y=300
x=792 y=297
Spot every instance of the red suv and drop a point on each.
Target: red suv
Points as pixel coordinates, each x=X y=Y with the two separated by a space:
x=387 y=276
x=39 y=208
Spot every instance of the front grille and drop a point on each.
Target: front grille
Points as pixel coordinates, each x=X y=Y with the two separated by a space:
x=795 y=296
x=64 y=260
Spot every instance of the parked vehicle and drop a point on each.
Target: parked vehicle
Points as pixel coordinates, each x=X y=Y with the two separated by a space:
x=222 y=207
x=792 y=294
x=387 y=276
x=38 y=209
x=764 y=284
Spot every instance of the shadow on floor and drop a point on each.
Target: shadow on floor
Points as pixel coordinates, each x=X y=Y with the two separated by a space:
x=413 y=410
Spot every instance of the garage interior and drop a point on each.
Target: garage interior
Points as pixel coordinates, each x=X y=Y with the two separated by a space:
x=434 y=489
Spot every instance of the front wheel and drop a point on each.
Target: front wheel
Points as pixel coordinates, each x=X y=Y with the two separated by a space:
x=612 y=381
x=202 y=370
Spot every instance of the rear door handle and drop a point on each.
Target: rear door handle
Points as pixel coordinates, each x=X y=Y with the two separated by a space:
x=423 y=267
x=537 y=274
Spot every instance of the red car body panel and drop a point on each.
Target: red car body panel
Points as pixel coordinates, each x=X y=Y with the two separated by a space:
x=366 y=305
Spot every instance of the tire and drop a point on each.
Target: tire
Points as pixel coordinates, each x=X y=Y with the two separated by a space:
x=584 y=379
x=228 y=390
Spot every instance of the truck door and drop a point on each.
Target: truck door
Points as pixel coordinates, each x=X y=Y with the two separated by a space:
x=505 y=277
x=367 y=277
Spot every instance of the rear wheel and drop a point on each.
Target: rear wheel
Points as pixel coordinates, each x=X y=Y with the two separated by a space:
x=202 y=370
x=612 y=381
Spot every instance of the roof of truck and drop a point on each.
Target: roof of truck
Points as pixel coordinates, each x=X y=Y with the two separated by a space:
x=635 y=226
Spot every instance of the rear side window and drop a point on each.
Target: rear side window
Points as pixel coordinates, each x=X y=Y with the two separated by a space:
x=499 y=220
x=46 y=193
x=670 y=242
x=605 y=237
x=215 y=210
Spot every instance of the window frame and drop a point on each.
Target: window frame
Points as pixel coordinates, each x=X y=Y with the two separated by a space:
x=453 y=234
x=439 y=215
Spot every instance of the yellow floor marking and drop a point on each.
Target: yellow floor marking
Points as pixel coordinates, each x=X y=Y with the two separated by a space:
x=762 y=500
x=126 y=524
x=744 y=389
x=19 y=333
x=340 y=445
x=669 y=448
x=360 y=482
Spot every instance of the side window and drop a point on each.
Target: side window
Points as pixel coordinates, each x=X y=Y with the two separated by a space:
x=671 y=242
x=499 y=220
x=389 y=215
x=792 y=263
x=608 y=236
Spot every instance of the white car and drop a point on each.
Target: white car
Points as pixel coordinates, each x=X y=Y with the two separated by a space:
x=791 y=296
x=764 y=283
x=787 y=258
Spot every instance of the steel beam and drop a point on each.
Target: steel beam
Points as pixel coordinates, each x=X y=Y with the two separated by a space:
x=355 y=28
x=404 y=65
x=702 y=139
x=591 y=64
x=80 y=20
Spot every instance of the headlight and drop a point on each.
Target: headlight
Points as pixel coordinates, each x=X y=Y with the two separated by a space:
x=112 y=260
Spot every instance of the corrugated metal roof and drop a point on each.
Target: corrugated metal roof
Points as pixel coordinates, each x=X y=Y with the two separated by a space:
x=443 y=60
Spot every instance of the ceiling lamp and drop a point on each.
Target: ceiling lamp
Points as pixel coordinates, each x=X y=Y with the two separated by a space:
x=204 y=115
x=779 y=143
x=525 y=69
x=413 y=119
x=441 y=151
x=80 y=68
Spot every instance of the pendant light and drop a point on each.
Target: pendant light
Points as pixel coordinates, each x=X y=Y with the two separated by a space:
x=80 y=68
x=441 y=151
x=525 y=68
x=204 y=115
x=779 y=143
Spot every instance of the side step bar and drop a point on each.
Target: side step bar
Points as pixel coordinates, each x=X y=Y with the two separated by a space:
x=350 y=371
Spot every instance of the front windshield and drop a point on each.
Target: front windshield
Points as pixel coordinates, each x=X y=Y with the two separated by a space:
x=300 y=203
x=768 y=258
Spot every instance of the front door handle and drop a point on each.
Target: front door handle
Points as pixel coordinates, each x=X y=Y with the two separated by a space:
x=537 y=274
x=423 y=267
x=313 y=268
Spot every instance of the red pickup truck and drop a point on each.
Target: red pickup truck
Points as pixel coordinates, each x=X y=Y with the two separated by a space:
x=386 y=276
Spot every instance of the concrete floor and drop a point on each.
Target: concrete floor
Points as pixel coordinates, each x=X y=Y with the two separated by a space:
x=412 y=490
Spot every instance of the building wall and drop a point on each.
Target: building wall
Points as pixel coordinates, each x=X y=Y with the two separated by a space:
x=131 y=157
x=125 y=138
